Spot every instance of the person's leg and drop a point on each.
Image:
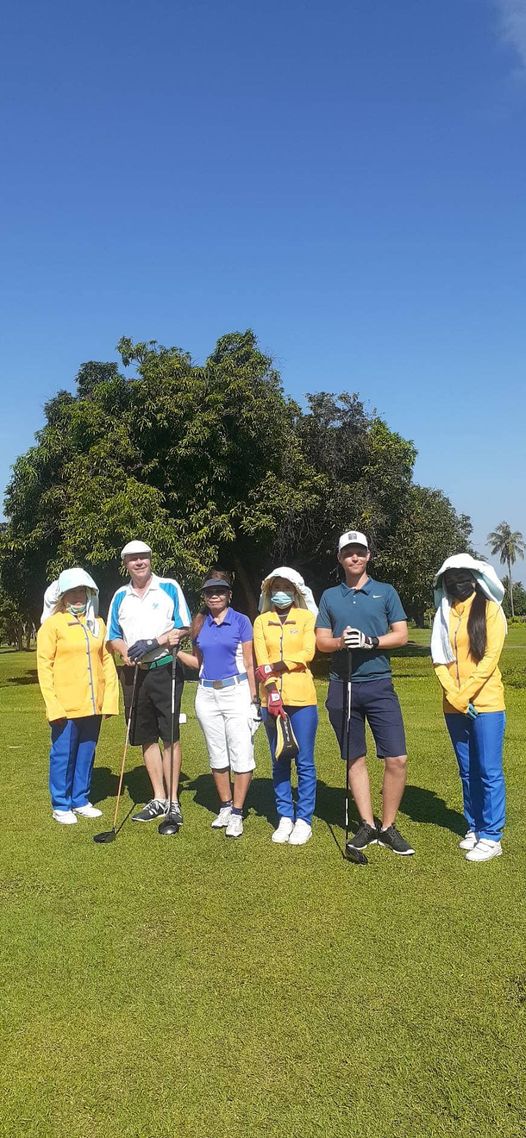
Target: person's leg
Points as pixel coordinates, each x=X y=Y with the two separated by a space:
x=395 y=774
x=62 y=757
x=352 y=742
x=154 y=765
x=459 y=728
x=159 y=687
x=176 y=774
x=385 y=720
x=280 y=771
x=487 y=743
x=88 y=732
x=304 y=724
x=235 y=703
x=211 y=721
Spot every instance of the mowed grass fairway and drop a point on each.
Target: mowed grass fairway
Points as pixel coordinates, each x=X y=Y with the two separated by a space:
x=201 y=987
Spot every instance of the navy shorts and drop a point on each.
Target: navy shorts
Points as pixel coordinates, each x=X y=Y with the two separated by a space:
x=376 y=701
x=151 y=719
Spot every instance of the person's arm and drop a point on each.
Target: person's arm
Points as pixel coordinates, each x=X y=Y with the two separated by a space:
x=260 y=644
x=248 y=660
x=110 y=702
x=445 y=679
x=191 y=659
x=297 y=660
x=46 y=651
x=115 y=641
x=396 y=637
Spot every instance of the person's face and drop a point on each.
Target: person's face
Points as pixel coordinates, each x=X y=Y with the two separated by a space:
x=139 y=567
x=459 y=583
x=76 y=596
x=354 y=558
x=216 y=599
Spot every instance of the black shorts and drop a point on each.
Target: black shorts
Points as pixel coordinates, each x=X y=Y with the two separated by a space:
x=151 y=718
x=376 y=701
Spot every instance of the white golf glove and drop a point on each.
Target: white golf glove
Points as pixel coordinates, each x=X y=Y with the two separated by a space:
x=353 y=638
x=254 y=718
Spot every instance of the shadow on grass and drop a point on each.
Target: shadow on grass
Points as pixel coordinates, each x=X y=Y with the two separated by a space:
x=30 y=677
x=425 y=806
x=411 y=649
x=136 y=784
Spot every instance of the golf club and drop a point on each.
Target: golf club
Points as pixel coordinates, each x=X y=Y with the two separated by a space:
x=169 y=826
x=350 y=854
x=110 y=835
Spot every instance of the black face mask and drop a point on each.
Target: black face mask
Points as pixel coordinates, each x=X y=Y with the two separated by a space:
x=459 y=583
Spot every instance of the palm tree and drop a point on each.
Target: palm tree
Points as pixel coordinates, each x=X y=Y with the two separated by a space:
x=509 y=544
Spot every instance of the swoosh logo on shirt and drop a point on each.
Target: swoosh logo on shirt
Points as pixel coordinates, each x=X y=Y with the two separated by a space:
x=377 y=596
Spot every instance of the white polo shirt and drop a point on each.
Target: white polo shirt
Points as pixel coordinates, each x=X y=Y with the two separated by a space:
x=159 y=609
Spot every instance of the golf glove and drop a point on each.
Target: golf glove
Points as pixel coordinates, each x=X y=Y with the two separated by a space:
x=264 y=673
x=353 y=638
x=471 y=711
x=254 y=718
x=275 y=704
x=140 y=648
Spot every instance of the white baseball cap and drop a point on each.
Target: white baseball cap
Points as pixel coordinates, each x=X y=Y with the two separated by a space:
x=135 y=547
x=352 y=537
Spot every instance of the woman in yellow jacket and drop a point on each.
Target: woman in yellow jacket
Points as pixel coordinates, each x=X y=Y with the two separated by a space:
x=284 y=645
x=467 y=640
x=78 y=681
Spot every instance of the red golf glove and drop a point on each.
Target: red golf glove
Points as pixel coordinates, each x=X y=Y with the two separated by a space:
x=264 y=673
x=275 y=704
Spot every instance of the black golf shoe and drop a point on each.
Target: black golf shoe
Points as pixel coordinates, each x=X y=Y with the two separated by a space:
x=392 y=839
x=175 y=812
x=365 y=835
x=153 y=809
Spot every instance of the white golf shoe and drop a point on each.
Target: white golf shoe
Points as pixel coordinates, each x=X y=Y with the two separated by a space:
x=65 y=817
x=223 y=818
x=87 y=811
x=484 y=850
x=283 y=832
x=300 y=834
x=235 y=826
x=469 y=841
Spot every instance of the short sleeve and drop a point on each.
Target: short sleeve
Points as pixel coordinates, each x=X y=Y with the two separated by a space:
x=245 y=629
x=393 y=607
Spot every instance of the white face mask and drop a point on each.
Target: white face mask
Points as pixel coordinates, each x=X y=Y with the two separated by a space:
x=282 y=599
x=77 y=610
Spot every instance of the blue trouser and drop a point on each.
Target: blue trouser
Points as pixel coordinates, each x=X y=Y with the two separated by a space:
x=478 y=745
x=304 y=724
x=71 y=761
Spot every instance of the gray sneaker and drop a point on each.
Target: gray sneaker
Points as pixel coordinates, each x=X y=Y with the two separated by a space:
x=175 y=811
x=155 y=808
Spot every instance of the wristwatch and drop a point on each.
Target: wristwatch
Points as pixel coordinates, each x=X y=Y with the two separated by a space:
x=375 y=641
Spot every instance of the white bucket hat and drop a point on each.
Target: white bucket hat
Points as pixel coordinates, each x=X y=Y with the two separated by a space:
x=304 y=594
x=492 y=587
x=73 y=579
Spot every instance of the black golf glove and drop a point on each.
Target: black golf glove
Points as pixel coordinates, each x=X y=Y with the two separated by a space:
x=140 y=648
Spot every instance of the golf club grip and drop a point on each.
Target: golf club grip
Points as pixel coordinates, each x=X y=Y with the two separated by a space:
x=126 y=742
x=348 y=740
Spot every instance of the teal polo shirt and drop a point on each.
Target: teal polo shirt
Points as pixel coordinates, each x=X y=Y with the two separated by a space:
x=372 y=609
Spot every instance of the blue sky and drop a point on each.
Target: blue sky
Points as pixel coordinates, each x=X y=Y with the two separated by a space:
x=346 y=177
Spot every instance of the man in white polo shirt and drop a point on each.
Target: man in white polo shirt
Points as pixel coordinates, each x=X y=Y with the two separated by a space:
x=146 y=620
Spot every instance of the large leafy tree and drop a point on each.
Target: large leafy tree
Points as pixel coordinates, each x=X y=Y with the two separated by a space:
x=211 y=464
x=428 y=531
x=509 y=545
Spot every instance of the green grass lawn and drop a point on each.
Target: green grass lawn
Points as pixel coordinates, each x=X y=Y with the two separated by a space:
x=200 y=987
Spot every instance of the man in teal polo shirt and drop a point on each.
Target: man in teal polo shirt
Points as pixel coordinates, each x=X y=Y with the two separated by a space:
x=366 y=617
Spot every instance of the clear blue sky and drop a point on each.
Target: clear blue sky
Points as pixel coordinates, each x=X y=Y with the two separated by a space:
x=346 y=177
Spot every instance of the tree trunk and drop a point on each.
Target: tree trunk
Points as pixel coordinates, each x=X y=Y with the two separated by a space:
x=511 y=588
x=243 y=580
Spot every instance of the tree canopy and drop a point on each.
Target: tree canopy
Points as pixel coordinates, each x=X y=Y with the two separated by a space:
x=215 y=464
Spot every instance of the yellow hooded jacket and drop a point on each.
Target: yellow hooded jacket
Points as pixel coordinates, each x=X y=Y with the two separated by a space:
x=293 y=642
x=463 y=681
x=76 y=673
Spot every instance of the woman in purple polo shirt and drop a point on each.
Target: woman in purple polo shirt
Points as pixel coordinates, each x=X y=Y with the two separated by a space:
x=224 y=704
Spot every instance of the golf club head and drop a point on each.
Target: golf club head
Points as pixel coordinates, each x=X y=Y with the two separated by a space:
x=103 y=839
x=168 y=827
x=356 y=856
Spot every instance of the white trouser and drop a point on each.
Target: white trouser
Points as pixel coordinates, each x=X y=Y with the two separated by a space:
x=223 y=715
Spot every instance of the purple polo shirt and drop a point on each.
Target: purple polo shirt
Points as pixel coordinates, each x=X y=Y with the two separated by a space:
x=221 y=645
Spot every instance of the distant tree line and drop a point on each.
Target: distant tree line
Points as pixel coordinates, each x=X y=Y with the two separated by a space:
x=215 y=464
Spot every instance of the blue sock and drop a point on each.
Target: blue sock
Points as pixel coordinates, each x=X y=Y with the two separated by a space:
x=237 y=810
x=227 y=803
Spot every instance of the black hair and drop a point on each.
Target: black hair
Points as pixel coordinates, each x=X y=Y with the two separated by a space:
x=477 y=630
